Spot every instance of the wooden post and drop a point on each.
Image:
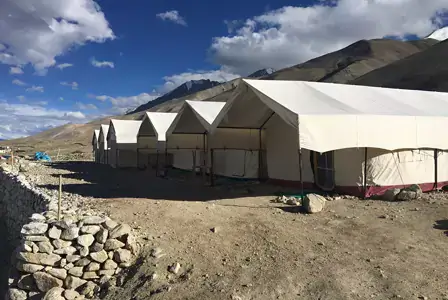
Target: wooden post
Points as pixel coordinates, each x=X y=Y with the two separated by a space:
x=12 y=159
x=60 y=197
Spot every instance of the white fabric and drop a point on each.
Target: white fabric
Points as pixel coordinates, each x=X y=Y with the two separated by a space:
x=104 y=132
x=336 y=116
x=96 y=135
x=160 y=122
x=124 y=131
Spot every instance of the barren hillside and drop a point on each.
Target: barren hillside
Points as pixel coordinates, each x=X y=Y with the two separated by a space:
x=340 y=66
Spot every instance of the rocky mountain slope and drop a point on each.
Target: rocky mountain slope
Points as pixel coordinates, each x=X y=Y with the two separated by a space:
x=340 y=66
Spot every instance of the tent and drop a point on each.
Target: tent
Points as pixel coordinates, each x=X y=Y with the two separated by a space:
x=95 y=145
x=122 y=141
x=102 y=144
x=353 y=139
x=230 y=153
x=151 y=139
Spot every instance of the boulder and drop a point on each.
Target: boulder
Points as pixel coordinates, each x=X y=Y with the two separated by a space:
x=46 y=282
x=70 y=234
x=59 y=244
x=110 y=224
x=93 y=220
x=113 y=244
x=45 y=247
x=16 y=294
x=391 y=194
x=34 y=228
x=102 y=235
x=132 y=245
x=86 y=240
x=54 y=294
x=69 y=266
x=39 y=258
x=28 y=268
x=122 y=255
x=55 y=233
x=90 y=229
x=110 y=265
x=100 y=256
x=35 y=238
x=72 y=283
x=313 y=203
x=58 y=273
x=119 y=231
x=405 y=195
x=106 y=272
x=71 y=294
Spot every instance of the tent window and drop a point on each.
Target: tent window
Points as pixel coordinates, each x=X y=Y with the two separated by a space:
x=324 y=170
x=414 y=156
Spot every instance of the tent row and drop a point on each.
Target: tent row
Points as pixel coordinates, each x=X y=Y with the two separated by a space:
x=352 y=139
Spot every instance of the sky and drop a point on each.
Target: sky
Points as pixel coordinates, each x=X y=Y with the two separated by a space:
x=65 y=61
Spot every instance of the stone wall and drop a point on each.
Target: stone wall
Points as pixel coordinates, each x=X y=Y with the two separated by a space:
x=72 y=258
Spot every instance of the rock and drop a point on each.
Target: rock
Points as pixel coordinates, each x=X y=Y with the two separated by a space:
x=46 y=282
x=38 y=218
x=113 y=244
x=88 y=289
x=65 y=251
x=26 y=282
x=90 y=229
x=54 y=233
x=70 y=233
x=39 y=258
x=390 y=194
x=69 y=266
x=35 y=238
x=110 y=265
x=96 y=247
x=35 y=248
x=90 y=275
x=415 y=188
x=105 y=279
x=72 y=283
x=84 y=251
x=54 y=294
x=132 y=245
x=58 y=273
x=76 y=271
x=45 y=247
x=214 y=229
x=71 y=294
x=119 y=231
x=157 y=253
x=126 y=264
x=64 y=224
x=122 y=255
x=59 y=244
x=110 y=254
x=93 y=220
x=86 y=240
x=82 y=262
x=405 y=195
x=35 y=295
x=102 y=235
x=93 y=266
x=27 y=246
x=100 y=256
x=16 y=294
x=174 y=268
x=63 y=263
x=313 y=203
x=73 y=258
x=34 y=228
x=110 y=224
x=106 y=272
x=28 y=268
x=293 y=201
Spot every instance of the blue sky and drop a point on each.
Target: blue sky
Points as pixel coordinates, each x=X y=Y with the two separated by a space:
x=75 y=60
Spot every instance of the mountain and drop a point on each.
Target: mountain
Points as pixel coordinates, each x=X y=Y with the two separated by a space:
x=262 y=72
x=187 y=88
x=427 y=70
x=440 y=34
x=340 y=66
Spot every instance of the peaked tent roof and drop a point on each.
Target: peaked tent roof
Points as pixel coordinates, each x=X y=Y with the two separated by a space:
x=204 y=111
x=125 y=130
x=95 y=137
x=104 y=130
x=335 y=116
x=160 y=122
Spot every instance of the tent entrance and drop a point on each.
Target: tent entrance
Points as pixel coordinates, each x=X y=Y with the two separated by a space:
x=323 y=168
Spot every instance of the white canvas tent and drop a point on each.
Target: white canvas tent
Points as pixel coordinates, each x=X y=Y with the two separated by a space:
x=356 y=139
x=226 y=153
x=103 y=147
x=151 y=139
x=122 y=141
x=95 y=145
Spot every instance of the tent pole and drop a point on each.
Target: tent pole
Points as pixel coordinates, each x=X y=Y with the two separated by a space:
x=259 y=155
x=138 y=158
x=204 y=159
x=300 y=163
x=436 y=169
x=365 y=174
x=157 y=162
x=212 y=174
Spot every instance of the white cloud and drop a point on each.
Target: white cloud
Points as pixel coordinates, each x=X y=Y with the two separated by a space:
x=102 y=97
x=173 y=16
x=18 y=82
x=21 y=98
x=38 y=31
x=74 y=85
x=292 y=35
x=35 y=88
x=122 y=104
x=15 y=70
x=101 y=64
x=83 y=106
x=63 y=66
x=27 y=119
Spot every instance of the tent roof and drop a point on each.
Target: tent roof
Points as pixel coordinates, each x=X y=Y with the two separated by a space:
x=104 y=131
x=192 y=111
x=160 y=122
x=334 y=116
x=125 y=130
x=96 y=135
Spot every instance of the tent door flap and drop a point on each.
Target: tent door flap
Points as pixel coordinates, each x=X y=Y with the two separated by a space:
x=324 y=170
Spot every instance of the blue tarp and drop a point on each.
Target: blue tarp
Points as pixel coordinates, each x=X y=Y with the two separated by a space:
x=42 y=156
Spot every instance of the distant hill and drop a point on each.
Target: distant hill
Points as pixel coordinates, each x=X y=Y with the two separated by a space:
x=262 y=72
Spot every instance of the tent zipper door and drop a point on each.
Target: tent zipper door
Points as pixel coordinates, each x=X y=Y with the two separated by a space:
x=324 y=170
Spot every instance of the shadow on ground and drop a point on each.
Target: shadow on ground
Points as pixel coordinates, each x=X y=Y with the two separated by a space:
x=103 y=181
x=442 y=225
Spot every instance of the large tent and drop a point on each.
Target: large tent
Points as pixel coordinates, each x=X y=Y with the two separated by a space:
x=103 y=147
x=355 y=139
x=151 y=139
x=122 y=141
x=95 y=145
x=230 y=153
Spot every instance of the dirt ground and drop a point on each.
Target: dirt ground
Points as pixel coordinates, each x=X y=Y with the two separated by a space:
x=235 y=243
